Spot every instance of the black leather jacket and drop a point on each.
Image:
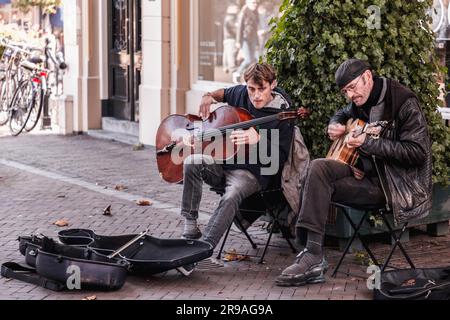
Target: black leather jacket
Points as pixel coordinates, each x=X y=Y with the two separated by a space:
x=402 y=156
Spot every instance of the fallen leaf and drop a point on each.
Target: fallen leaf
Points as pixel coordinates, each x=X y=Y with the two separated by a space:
x=144 y=203
x=232 y=255
x=434 y=242
x=90 y=298
x=120 y=187
x=138 y=147
x=107 y=211
x=62 y=223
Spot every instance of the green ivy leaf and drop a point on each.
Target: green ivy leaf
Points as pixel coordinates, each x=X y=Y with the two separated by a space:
x=312 y=37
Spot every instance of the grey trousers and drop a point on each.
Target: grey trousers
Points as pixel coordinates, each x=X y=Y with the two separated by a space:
x=238 y=184
x=327 y=181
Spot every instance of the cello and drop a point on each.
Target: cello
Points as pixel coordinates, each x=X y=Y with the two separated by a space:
x=210 y=136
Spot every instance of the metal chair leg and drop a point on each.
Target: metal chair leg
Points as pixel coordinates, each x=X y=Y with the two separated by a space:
x=268 y=241
x=254 y=246
x=364 y=244
x=350 y=242
x=294 y=251
x=396 y=243
x=241 y=227
x=219 y=255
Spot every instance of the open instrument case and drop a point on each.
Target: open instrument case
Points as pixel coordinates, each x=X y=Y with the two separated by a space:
x=101 y=262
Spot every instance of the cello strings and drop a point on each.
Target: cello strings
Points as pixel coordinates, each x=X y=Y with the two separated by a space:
x=246 y=124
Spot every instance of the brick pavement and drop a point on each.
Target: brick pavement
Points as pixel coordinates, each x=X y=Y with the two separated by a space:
x=44 y=178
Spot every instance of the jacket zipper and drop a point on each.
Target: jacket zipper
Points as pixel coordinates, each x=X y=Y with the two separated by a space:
x=381 y=182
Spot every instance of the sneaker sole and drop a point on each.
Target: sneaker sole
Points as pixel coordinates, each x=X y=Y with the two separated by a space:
x=293 y=282
x=189 y=237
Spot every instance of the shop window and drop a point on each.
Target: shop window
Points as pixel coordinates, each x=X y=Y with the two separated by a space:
x=232 y=34
x=441 y=27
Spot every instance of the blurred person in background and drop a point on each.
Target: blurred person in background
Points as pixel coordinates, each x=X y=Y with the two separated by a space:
x=229 y=35
x=247 y=37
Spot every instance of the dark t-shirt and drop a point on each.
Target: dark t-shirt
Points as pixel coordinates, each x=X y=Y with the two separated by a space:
x=238 y=97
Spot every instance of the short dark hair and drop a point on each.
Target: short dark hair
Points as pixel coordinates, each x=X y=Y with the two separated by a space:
x=260 y=72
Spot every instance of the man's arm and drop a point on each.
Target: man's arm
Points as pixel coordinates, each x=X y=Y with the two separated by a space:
x=342 y=115
x=236 y=96
x=208 y=99
x=413 y=142
x=336 y=127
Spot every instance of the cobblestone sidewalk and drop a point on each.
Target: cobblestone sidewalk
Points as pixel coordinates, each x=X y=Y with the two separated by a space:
x=45 y=178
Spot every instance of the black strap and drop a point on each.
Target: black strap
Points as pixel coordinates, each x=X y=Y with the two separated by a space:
x=418 y=293
x=16 y=271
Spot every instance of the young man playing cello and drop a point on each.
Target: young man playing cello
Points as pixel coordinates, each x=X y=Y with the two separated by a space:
x=261 y=97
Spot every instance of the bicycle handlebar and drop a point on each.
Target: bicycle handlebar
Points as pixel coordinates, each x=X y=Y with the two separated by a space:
x=33 y=67
x=58 y=60
x=19 y=47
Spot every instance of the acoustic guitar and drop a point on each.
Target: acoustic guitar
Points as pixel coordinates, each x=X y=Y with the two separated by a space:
x=341 y=152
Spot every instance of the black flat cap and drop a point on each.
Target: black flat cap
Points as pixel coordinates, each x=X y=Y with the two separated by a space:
x=350 y=70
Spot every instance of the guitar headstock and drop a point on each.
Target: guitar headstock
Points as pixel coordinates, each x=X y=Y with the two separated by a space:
x=374 y=129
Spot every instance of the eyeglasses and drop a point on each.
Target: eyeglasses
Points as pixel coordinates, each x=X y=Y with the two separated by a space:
x=351 y=88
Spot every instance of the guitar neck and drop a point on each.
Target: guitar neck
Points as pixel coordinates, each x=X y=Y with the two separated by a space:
x=373 y=128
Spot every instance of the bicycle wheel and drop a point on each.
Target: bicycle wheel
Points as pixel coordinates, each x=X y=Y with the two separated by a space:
x=35 y=111
x=20 y=108
x=7 y=88
x=4 y=115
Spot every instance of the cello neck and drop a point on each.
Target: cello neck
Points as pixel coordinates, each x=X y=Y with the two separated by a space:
x=245 y=125
x=250 y=123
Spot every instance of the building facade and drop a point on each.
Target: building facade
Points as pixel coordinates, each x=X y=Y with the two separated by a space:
x=135 y=62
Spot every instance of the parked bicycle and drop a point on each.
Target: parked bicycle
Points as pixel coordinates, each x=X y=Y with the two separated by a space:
x=10 y=75
x=25 y=92
x=27 y=102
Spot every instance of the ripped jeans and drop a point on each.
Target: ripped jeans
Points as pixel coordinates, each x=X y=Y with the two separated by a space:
x=238 y=184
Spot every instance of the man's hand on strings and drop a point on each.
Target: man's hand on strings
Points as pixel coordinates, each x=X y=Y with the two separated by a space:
x=335 y=131
x=304 y=112
x=241 y=137
x=355 y=142
x=205 y=107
